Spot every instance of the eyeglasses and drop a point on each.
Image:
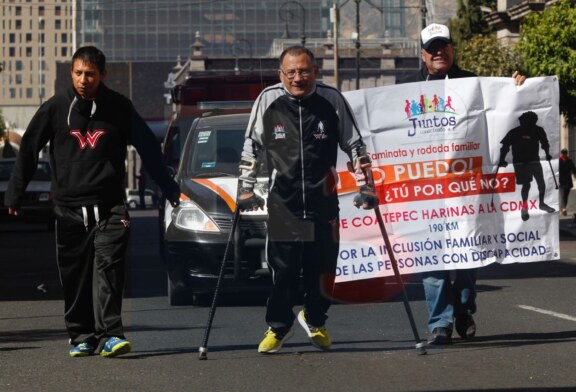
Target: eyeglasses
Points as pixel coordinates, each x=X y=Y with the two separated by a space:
x=291 y=74
x=436 y=46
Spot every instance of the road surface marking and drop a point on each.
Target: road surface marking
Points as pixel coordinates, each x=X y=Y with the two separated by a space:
x=549 y=312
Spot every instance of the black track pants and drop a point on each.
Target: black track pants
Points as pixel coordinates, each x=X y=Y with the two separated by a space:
x=302 y=247
x=91 y=252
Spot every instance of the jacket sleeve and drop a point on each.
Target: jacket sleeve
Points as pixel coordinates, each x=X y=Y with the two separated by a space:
x=37 y=134
x=143 y=139
x=350 y=138
x=252 y=145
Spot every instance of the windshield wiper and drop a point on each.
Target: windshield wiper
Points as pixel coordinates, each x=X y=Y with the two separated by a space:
x=212 y=174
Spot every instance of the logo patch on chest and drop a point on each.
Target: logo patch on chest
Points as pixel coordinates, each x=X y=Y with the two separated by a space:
x=320 y=133
x=91 y=138
x=279 y=132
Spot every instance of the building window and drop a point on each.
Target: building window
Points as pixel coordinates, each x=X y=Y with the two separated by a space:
x=41 y=10
x=58 y=24
x=12 y=52
x=64 y=52
x=57 y=10
x=18 y=24
x=28 y=51
x=29 y=93
x=12 y=92
x=64 y=38
x=18 y=65
x=18 y=11
x=18 y=79
x=12 y=38
x=28 y=37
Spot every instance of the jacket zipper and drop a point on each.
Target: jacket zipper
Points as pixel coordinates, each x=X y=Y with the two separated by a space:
x=302 y=160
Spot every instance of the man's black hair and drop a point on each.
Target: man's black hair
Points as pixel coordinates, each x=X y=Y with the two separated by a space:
x=297 y=50
x=92 y=55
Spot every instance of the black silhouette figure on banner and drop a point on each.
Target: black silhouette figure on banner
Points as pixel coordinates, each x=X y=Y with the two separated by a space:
x=525 y=141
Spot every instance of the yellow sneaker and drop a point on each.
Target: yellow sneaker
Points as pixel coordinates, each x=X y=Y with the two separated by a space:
x=319 y=337
x=273 y=341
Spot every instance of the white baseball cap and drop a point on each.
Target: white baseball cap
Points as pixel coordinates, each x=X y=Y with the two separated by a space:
x=435 y=32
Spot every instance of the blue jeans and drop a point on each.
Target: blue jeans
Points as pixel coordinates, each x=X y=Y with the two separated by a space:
x=446 y=299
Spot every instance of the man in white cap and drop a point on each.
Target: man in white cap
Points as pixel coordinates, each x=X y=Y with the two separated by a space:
x=450 y=304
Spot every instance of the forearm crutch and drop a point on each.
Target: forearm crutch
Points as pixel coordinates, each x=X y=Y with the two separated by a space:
x=420 y=347
x=203 y=350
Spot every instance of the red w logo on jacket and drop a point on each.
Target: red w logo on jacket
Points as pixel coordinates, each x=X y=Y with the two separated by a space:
x=90 y=139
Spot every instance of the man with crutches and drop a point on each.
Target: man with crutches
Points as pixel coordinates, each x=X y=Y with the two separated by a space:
x=299 y=124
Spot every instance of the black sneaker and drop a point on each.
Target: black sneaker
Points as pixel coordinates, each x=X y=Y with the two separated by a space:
x=440 y=336
x=465 y=326
x=546 y=207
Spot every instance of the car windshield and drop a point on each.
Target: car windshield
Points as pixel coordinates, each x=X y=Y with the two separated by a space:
x=215 y=153
x=42 y=171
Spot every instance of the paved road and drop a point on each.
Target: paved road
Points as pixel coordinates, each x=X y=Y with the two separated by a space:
x=526 y=339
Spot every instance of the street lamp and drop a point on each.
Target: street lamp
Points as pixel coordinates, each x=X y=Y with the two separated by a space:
x=357 y=44
x=286 y=14
x=240 y=45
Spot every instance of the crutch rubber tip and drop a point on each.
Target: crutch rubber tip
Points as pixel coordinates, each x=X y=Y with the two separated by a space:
x=420 y=348
x=203 y=353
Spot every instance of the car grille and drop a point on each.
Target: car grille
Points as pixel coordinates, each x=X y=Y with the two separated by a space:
x=226 y=225
x=27 y=197
x=30 y=197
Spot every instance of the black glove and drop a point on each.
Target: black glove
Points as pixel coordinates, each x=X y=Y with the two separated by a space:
x=249 y=201
x=366 y=198
x=174 y=199
x=503 y=164
x=548 y=157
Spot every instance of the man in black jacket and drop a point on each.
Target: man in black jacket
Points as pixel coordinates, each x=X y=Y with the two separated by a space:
x=89 y=128
x=450 y=304
x=299 y=124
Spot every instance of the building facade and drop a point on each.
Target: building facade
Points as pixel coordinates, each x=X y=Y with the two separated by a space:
x=35 y=36
x=38 y=34
x=160 y=30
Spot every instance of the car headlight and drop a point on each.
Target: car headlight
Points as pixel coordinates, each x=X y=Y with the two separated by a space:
x=188 y=216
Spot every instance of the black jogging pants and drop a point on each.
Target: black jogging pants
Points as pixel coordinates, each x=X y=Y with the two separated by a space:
x=91 y=251
x=307 y=249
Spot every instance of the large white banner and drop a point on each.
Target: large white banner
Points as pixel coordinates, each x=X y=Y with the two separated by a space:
x=445 y=200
